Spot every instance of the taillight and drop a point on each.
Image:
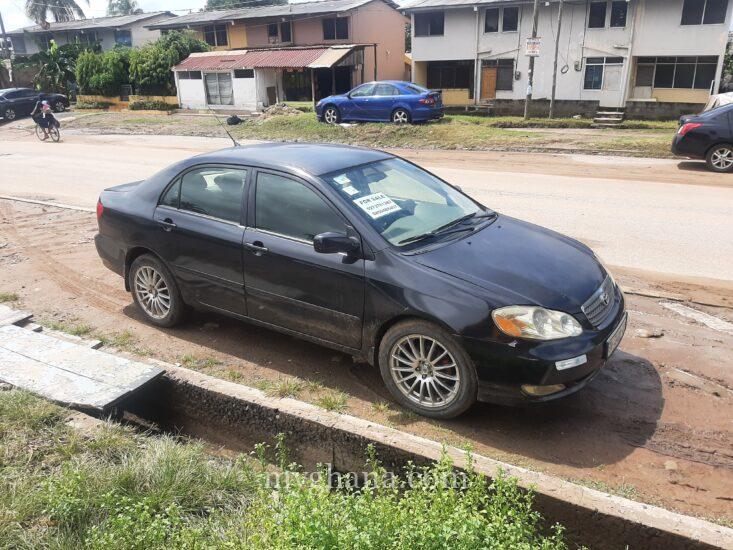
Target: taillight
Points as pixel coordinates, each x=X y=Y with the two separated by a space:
x=688 y=127
x=427 y=101
x=100 y=209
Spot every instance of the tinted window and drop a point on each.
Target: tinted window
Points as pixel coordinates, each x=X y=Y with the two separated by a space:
x=491 y=23
x=692 y=11
x=705 y=75
x=618 y=13
x=287 y=207
x=597 y=15
x=171 y=196
x=429 y=24
x=215 y=192
x=664 y=77
x=715 y=12
x=593 y=77
x=385 y=89
x=510 y=21
x=684 y=75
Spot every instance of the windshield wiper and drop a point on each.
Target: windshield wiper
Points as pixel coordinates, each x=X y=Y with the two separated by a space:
x=442 y=230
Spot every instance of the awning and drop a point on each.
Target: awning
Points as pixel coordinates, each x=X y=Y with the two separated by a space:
x=270 y=58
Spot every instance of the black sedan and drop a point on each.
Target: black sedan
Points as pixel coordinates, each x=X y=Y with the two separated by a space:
x=16 y=102
x=707 y=136
x=367 y=253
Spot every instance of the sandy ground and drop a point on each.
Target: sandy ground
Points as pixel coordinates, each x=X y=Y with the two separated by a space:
x=655 y=425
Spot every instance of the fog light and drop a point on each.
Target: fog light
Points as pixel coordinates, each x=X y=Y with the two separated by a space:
x=542 y=391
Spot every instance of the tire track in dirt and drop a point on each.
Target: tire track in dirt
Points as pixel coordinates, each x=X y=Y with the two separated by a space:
x=20 y=228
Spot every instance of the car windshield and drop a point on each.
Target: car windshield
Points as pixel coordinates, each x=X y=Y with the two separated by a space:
x=403 y=202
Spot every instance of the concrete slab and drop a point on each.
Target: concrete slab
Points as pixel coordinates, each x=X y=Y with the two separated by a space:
x=10 y=316
x=67 y=372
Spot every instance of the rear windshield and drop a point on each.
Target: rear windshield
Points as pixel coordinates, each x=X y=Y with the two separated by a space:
x=415 y=89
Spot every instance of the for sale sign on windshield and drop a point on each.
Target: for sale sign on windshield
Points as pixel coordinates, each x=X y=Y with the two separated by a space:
x=377 y=205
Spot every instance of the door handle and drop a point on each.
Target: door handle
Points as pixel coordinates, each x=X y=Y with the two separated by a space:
x=257 y=247
x=167 y=224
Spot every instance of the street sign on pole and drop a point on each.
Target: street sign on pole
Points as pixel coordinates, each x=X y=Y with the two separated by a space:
x=532 y=47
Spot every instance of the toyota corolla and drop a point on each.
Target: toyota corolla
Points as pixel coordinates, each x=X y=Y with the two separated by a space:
x=367 y=253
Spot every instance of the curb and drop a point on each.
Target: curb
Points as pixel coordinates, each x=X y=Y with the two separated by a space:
x=238 y=416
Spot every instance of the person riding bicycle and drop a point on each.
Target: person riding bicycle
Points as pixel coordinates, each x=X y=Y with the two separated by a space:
x=43 y=116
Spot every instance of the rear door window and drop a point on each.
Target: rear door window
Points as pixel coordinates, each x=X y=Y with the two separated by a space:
x=289 y=208
x=211 y=191
x=385 y=89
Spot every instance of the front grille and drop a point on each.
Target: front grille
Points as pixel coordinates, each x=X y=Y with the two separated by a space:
x=599 y=306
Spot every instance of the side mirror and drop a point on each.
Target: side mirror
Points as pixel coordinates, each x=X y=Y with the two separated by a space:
x=333 y=243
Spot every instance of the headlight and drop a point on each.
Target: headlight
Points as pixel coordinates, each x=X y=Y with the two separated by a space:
x=536 y=323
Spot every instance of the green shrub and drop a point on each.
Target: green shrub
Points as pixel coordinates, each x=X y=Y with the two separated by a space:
x=148 y=105
x=103 y=73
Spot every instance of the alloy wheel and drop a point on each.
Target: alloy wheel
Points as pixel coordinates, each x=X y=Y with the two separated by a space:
x=152 y=292
x=59 y=107
x=722 y=158
x=9 y=114
x=424 y=371
x=400 y=116
x=331 y=116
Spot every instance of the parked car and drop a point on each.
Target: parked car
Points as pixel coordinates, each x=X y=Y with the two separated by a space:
x=707 y=136
x=383 y=101
x=16 y=102
x=367 y=253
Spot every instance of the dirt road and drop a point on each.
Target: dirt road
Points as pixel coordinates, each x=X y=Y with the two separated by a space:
x=637 y=213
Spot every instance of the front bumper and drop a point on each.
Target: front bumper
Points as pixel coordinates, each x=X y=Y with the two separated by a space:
x=505 y=369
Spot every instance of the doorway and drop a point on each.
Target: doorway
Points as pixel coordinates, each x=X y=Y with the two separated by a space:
x=488 y=82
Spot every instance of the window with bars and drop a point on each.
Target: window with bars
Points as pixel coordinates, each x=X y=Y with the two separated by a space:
x=687 y=72
x=216 y=35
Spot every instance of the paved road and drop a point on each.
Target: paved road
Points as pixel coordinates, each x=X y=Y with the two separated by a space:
x=656 y=215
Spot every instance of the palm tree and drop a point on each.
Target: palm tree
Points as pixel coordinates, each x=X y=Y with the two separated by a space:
x=122 y=7
x=60 y=10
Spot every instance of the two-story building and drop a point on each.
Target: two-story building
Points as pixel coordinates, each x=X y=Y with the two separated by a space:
x=652 y=57
x=120 y=30
x=297 y=51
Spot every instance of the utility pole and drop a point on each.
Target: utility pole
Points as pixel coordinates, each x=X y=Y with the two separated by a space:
x=530 y=76
x=557 y=51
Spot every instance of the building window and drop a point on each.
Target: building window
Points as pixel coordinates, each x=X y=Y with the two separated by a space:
x=336 y=28
x=429 y=23
x=17 y=43
x=451 y=75
x=597 y=15
x=286 y=32
x=44 y=41
x=687 y=72
x=87 y=38
x=602 y=73
x=123 y=38
x=491 y=20
x=510 y=19
x=704 y=12
x=504 y=73
x=244 y=73
x=189 y=75
x=619 y=11
x=216 y=35
x=272 y=31
x=219 y=88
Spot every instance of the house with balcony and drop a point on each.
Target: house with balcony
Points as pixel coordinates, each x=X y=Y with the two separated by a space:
x=654 y=58
x=296 y=52
x=121 y=30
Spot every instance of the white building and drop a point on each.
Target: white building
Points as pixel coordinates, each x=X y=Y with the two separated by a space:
x=653 y=57
x=120 y=30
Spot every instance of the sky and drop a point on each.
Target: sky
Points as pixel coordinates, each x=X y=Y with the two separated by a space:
x=13 y=12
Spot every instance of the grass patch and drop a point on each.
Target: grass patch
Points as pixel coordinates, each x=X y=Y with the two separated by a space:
x=333 y=401
x=290 y=387
x=198 y=363
x=381 y=407
x=6 y=297
x=113 y=488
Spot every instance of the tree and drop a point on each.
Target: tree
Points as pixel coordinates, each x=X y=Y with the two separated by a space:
x=230 y=4
x=57 y=66
x=150 y=66
x=122 y=7
x=60 y=10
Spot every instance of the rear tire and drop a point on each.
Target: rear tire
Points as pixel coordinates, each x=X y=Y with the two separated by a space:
x=59 y=107
x=54 y=134
x=720 y=158
x=155 y=291
x=400 y=116
x=426 y=370
x=9 y=114
x=331 y=115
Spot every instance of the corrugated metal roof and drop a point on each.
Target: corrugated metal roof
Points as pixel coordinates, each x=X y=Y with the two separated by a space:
x=420 y=4
x=115 y=21
x=300 y=8
x=271 y=58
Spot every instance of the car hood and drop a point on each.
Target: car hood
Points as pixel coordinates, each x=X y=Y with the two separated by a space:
x=521 y=263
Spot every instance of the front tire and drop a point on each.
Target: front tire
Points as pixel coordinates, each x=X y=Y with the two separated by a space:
x=9 y=114
x=59 y=107
x=400 y=116
x=720 y=158
x=155 y=291
x=426 y=370
x=331 y=115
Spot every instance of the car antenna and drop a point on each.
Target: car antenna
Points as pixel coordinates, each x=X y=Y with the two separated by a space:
x=236 y=143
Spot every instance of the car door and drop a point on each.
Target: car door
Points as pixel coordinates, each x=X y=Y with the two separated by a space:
x=383 y=102
x=290 y=285
x=359 y=102
x=25 y=101
x=201 y=230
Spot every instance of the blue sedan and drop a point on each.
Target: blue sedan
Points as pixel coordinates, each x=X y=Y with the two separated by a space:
x=383 y=101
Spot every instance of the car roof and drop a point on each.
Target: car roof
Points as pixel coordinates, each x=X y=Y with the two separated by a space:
x=312 y=158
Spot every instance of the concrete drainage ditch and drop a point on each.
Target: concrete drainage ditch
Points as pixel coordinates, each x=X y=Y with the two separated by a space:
x=236 y=417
